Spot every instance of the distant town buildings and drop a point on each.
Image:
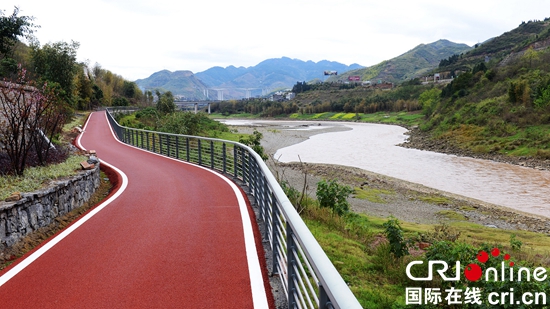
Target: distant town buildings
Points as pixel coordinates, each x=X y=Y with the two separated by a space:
x=281 y=96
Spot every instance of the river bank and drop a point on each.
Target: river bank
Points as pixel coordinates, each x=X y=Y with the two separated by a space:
x=422 y=141
x=386 y=195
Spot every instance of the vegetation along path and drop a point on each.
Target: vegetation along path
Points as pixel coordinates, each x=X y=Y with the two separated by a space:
x=173 y=235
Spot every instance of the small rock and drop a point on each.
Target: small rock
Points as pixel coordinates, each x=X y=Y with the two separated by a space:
x=93 y=160
x=16 y=196
x=87 y=166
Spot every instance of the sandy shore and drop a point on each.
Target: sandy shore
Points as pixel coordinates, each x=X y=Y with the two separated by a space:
x=405 y=200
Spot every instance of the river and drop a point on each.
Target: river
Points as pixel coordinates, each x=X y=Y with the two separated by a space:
x=373 y=147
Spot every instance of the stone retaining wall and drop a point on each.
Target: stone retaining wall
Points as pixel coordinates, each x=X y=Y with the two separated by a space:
x=39 y=209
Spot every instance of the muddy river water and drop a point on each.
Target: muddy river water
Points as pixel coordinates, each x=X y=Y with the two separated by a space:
x=373 y=147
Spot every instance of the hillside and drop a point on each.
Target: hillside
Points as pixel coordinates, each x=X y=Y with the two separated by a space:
x=414 y=63
x=180 y=83
x=267 y=76
x=504 y=48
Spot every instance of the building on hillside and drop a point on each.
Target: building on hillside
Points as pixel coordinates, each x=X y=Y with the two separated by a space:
x=281 y=96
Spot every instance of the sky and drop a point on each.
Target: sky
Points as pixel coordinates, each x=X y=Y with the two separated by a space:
x=136 y=38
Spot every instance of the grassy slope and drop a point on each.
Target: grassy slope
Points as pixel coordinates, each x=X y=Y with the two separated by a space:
x=34 y=178
x=376 y=278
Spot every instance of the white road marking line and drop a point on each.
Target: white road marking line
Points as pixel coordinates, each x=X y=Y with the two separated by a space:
x=35 y=255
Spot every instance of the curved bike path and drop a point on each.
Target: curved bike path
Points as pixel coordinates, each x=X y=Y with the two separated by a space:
x=174 y=235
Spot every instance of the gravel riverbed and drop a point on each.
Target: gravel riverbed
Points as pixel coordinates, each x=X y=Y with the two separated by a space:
x=406 y=201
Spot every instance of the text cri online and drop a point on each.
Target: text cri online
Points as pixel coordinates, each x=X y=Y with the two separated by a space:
x=473 y=295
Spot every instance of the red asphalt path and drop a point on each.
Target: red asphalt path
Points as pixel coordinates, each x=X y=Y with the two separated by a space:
x=173 y=236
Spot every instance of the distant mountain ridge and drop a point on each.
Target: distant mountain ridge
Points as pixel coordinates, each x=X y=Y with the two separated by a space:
x=282 y=73
x=267 y=76
x=182 y=83
x=414 y=63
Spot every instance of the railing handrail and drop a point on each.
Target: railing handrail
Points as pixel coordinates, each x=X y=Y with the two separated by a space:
x=337 y=291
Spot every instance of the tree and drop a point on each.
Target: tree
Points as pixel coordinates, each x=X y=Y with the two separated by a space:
x=97 y=96
x=185 y=123
x=129 y=89
x=120 y=101
x=301 y=87
x=165 y=103
x=149 y=98
x=531 y=56
x=428 y=100
x=12 y=28
x=84 y=87
x=543 y=99
x=56 y=62
x=28 y=114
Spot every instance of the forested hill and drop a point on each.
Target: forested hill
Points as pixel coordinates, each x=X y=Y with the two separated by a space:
x=417 y=62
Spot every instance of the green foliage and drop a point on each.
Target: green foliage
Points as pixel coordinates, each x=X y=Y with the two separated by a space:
x=480 y=67
x=56 y=63
x=301 y=87
x=292 y=194
x=254 y=140
x=356 y=226
x=148 y=118
x=299 y=200
x=459 y=86
x=186 y=123
x=120 y=101
x=451 y=252
x=394 y=233
x=111 y=89
x=12 y=28
x=543 y=99
x=515 y=243
x=34 y=177
x=429 y=100
x=441 y=232
x=165 y=103
x=451 y=60
x=334 y=196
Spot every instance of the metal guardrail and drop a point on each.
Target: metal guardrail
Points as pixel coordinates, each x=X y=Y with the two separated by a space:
x=309 y=278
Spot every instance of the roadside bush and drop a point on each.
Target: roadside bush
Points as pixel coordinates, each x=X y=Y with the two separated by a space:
x=254 y=141
x=394 y=233
x=333 y=195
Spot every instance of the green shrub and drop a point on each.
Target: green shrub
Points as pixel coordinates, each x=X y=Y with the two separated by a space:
x=254 y=141
x=334 y=196
x=394 y=233
x=515 y=243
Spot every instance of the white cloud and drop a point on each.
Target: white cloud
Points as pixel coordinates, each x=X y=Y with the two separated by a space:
x=137 y=38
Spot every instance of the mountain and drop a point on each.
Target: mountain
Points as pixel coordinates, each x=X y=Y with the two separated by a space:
x=235 y=83
x=414 y=63
x=271 y=73
x=180 y=83
x=504 y=48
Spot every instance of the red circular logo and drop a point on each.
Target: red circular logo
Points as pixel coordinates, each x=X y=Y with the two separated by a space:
x=473 y=272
